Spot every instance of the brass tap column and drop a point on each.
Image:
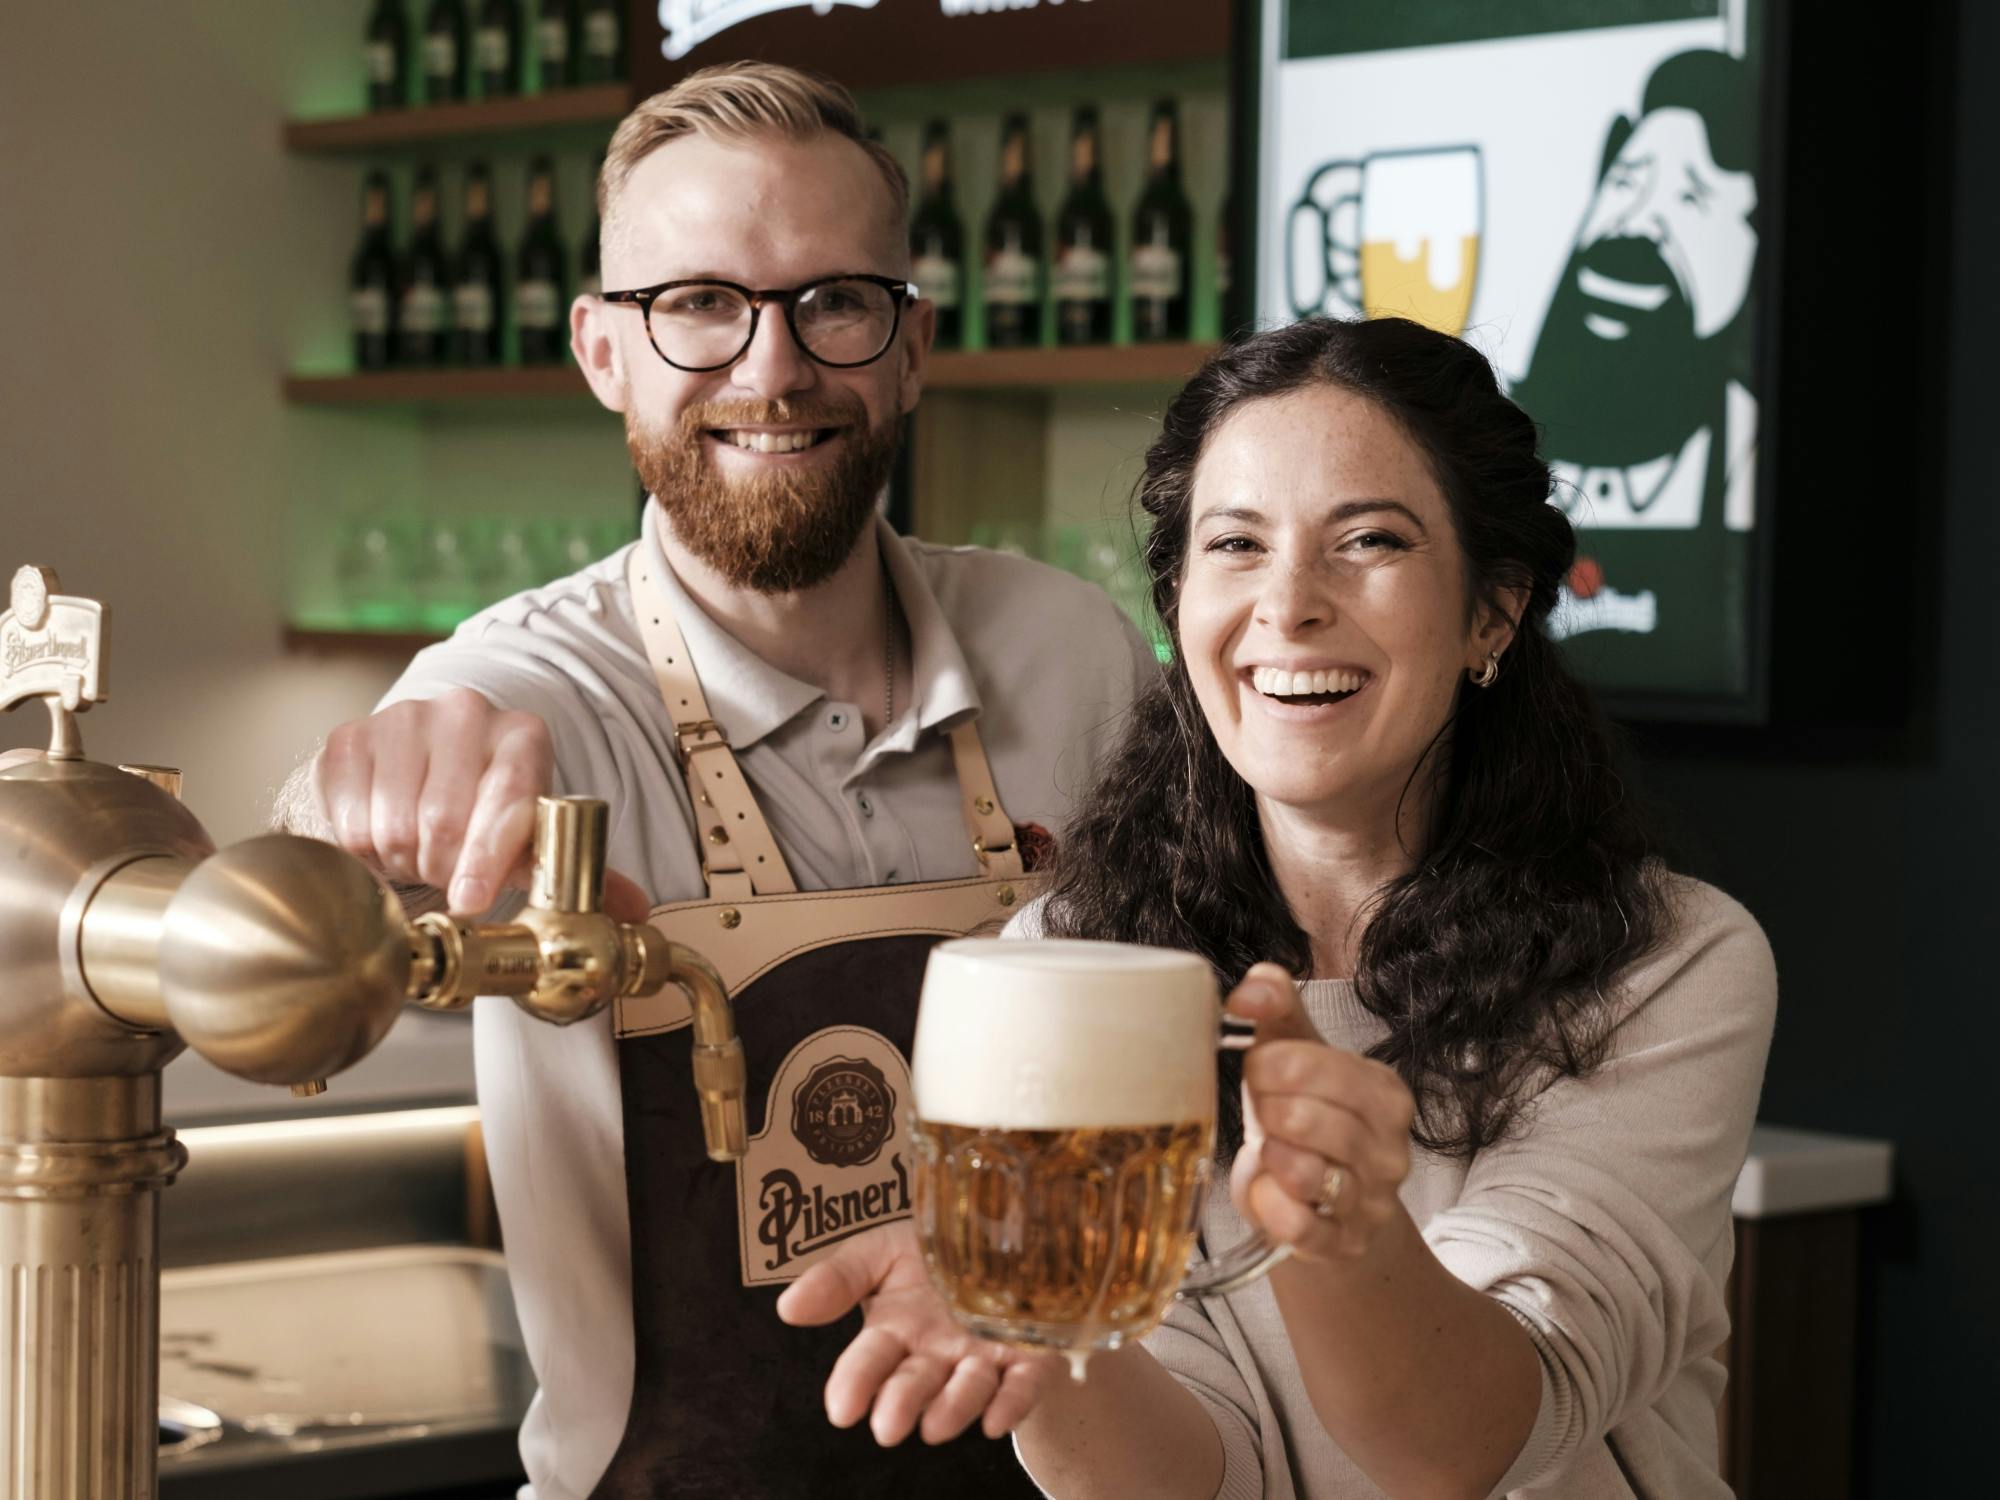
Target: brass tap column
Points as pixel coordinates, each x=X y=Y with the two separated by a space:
x=83 y=1155
x=124 y=936
x=82 y=1162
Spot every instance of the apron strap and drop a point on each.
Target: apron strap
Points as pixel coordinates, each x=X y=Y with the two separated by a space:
x=985 y=819
x=739 y=857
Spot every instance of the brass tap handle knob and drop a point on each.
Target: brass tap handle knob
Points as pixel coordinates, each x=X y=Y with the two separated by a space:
x=569 y=855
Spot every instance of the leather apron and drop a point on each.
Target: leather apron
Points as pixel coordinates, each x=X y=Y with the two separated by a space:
x=727 y=1401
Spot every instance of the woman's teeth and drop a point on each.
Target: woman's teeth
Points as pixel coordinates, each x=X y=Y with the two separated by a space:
x=771 y=442
x=1275 y=682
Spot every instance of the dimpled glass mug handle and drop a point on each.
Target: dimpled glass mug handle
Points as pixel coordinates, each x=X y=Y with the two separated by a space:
x=1237 y=1267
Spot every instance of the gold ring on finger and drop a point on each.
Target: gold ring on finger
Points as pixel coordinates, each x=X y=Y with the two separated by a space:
x=1331 y=1184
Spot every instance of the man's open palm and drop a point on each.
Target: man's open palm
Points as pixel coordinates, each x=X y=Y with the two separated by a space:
x=911 y=1363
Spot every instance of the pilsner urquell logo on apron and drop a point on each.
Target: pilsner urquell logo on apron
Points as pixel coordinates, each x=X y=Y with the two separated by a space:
x=825 y=1166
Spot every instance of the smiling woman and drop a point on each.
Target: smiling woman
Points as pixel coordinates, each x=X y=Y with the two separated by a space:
x=1358 y=499
x=1505 y=1063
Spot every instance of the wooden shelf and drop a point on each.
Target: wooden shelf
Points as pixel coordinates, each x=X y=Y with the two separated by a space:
x=1051 y=369
x=438 y=387
x=1001 y=369
x=396 y=643
x=597 y=104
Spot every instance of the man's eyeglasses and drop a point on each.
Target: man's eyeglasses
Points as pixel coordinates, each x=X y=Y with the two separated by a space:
x=842 y=321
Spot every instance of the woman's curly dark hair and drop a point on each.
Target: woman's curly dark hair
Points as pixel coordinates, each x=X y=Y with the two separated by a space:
x=1491 y=960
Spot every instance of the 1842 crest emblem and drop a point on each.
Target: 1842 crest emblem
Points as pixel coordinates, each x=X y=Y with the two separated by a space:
x=844 y=1112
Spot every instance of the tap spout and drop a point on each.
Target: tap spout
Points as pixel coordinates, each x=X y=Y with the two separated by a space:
x=719 y=1074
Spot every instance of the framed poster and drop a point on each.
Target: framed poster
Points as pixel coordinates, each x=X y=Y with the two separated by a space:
x=869 y=44
x=1579 y=188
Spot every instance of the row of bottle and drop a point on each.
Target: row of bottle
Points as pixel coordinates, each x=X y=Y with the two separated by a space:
x=574 y=42
x=1081 y=276
x=426 y=306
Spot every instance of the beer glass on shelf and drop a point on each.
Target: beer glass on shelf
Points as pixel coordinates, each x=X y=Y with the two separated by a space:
x=515 y=567
x=373 y=568
x=450 y=579
x=1065 y=1136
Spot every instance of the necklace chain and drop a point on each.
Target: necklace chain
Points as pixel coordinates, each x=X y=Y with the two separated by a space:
x=889 y=661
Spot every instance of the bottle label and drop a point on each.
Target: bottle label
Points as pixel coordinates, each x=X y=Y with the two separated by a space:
x=1082 y=274
x=1156 y=273
x=535 y=304
x=1010 y=278
x=423 y=310
x=490 y=47
x=369 y=307
x=472 y=307
x=381 y=63
x=600 y=33
x=440 y=55
x=552 y=37
x=936 y=277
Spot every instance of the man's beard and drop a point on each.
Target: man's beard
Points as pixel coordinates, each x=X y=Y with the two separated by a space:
x=778 y=532
x=1618 y=401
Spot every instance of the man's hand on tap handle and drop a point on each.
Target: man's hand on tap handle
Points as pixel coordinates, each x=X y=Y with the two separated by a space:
x=441 y=792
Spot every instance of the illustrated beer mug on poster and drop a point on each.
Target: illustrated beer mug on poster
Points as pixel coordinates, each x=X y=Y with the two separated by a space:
x=1065 y=1099
x=1395 y=234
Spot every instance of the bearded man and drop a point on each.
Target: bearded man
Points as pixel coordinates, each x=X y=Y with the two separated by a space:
x=777 y=695
x=1642 y=380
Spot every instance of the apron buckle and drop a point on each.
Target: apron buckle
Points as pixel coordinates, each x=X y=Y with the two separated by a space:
x=701 y=730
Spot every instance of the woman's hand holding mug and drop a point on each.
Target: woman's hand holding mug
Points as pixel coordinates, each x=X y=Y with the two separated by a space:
x=1327 y=1131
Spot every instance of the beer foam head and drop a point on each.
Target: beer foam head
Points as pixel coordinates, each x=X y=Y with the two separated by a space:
x=1057 y=1035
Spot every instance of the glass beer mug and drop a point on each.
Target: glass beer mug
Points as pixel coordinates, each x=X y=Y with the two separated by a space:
x=1065 y=1137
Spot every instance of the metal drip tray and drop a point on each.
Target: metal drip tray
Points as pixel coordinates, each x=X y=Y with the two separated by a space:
x=185 y=1427
x=342 y=1363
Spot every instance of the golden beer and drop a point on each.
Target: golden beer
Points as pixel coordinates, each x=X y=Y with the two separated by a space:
x=1395 y=286
x=1064 y=1128
x=1060 y=1237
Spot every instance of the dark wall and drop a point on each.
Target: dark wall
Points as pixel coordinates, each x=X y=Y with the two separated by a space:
x=1870 y=862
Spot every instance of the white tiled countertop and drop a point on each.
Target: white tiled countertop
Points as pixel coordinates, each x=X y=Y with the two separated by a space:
x=1807 y=1171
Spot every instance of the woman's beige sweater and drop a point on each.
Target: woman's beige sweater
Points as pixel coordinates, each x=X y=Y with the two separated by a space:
x=1603 y=1226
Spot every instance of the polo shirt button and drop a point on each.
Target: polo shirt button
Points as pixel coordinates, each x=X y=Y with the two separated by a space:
x=867 y=807
x=837 y=720
x=893 y=877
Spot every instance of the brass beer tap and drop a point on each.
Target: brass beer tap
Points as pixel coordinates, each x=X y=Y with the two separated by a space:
x=124 y=937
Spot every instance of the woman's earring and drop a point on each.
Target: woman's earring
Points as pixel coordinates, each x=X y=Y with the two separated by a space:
x=1490 y=673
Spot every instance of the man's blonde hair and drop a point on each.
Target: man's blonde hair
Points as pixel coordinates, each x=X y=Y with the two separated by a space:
x=737 y=102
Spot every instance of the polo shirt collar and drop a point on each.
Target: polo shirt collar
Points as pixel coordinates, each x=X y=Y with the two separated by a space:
x=944 y=693
x=746 y=695
x=750 y=698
